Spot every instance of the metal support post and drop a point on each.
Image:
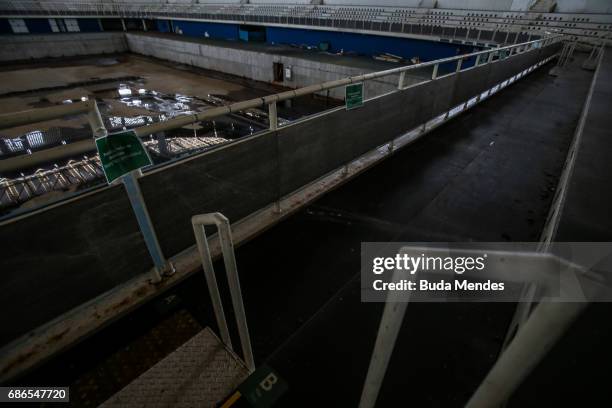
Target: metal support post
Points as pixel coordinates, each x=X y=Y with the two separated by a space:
x=459 y=63
x=132 y=187
x=139 y=206
x=547 y=324
x=388 y=330
x=434 y=73
x=162 y=144
x=273 y=116
x=402 y=80
x=229 y=259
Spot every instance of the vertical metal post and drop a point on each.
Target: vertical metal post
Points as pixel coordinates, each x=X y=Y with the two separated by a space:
x=123 y=25
x=459 y=63
x=162 y=144
x=477 y=60
x=402 y=80
x=136 y=200
x=388 y=330
x=491 y=55
x=132 y=187
x=211 y=282
x=227 y=246
x=273 y=116
x=144 y=25
x=541 y=331
x=434 y=73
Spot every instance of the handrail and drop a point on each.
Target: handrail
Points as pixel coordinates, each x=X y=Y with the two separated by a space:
x=49 y=339
x=24 y=117
x=227 y=249
x=311 y=89
x=14 y=119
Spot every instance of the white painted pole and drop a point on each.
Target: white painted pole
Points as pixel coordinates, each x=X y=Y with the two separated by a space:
x=547 y=324
x=132 y=188
x=388 y=330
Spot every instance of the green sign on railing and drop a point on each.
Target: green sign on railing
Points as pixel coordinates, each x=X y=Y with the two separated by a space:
x=260 y=390
x=353 y=95
x=121 y=153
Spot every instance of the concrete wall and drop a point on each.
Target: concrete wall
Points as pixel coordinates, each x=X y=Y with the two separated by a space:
x=252 y=64
x=24 y=47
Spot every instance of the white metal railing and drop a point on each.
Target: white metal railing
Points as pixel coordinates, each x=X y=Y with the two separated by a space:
x=540 y=329
x=199 y=223
x=482 y=58
x=547 y=324
x=130 y=181
x=183 y=265
x=271 y=100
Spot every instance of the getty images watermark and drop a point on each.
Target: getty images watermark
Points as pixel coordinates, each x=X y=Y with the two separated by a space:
x=486 y=272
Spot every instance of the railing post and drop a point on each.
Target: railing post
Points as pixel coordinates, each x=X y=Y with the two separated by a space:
x=491 y=55
x=137 y=202
x=459 y=62
x=402 y=80
x=434 y=74
x=132 y=187
x=388 y=331
x=273 y=116
x=477 y=60
x=227 y=248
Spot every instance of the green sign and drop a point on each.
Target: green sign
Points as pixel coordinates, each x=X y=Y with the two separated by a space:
x=260 y=390
x=353 y=95
x=121 y=153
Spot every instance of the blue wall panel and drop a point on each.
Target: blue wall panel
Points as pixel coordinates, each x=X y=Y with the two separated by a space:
x=163 y=26
x=89 y=25
x=366 y=43
x=38 y=25
x=5 y=27
x=200 y=29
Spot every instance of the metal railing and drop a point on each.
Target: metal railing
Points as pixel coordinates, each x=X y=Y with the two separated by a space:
x=547 y=324
x=130 y=181
x=283 y=205
x=482 y=58
x=540 y=329
x=227 y=249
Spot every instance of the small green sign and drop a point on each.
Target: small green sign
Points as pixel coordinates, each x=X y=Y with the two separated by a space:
x=263 y=388
x=121 y=153
x=353 y=95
